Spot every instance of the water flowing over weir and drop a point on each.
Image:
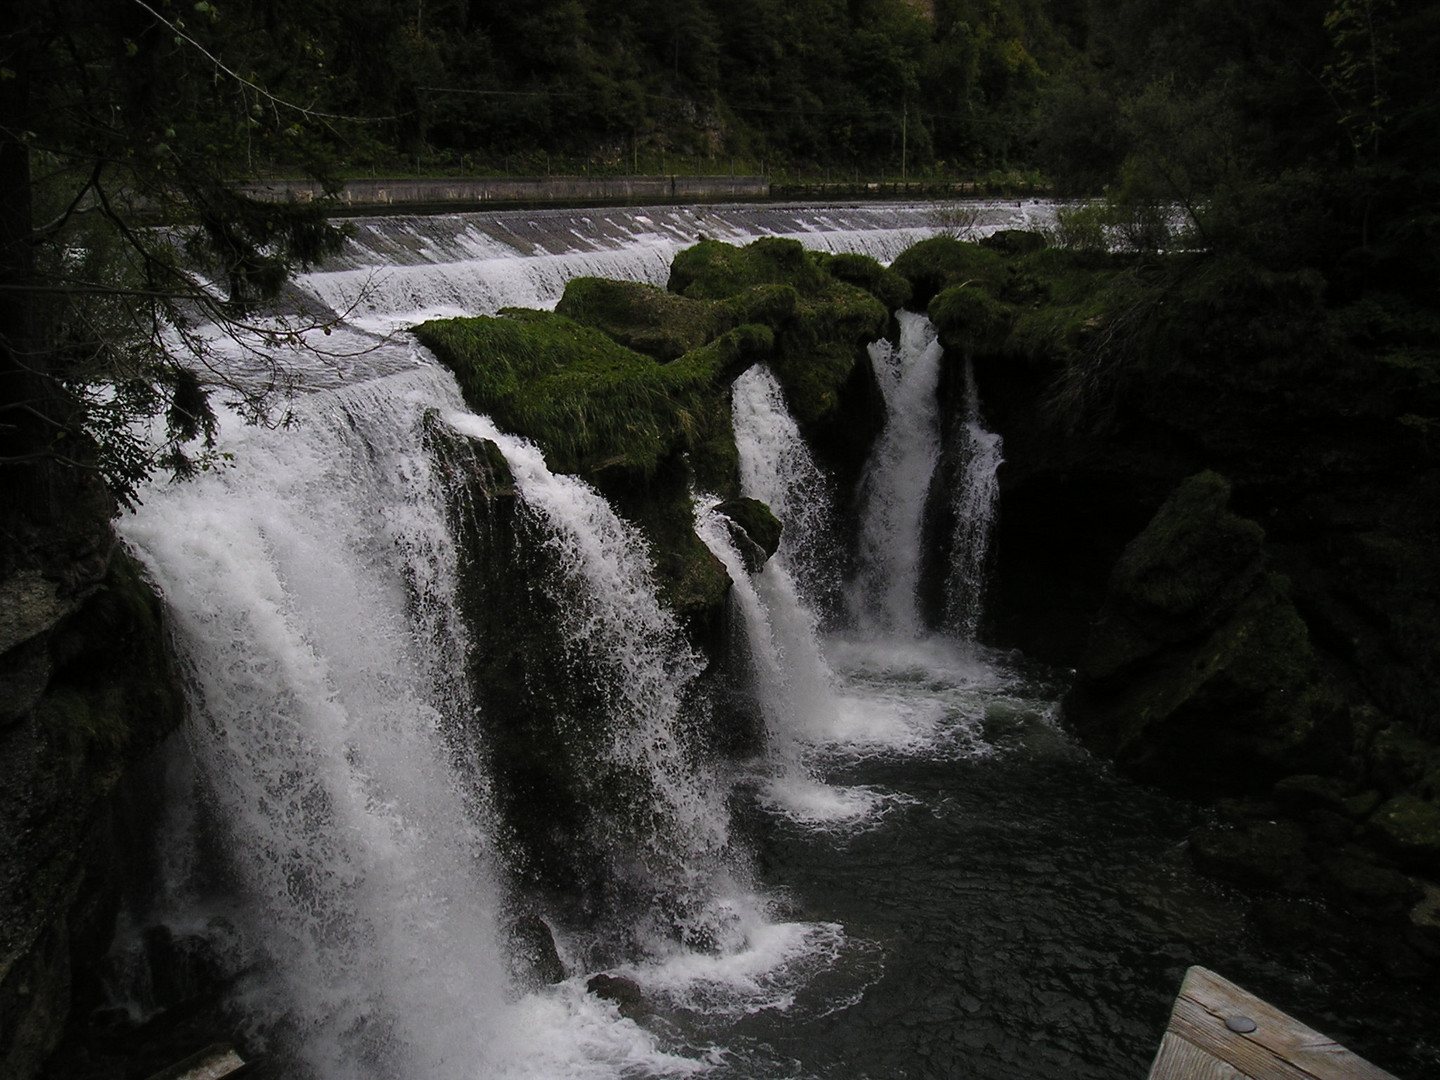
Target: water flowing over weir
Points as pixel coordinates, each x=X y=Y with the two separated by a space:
x=398 y=271
x=918 y=874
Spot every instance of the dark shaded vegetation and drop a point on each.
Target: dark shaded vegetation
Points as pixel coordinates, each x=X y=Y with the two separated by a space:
x=1219 y=505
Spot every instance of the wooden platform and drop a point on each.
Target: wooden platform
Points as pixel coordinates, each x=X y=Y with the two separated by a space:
x=1219 y=1032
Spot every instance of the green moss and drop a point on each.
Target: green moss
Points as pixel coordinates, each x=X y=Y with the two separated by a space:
x=890 y=288
x=761 y=528
x=712 y=270
x=1194 y=552
x=585 y=400
x=1409 y=827
x=643 y=317
x=969 y=317
x=943 y=262
x=770 y=305
x=821 y=323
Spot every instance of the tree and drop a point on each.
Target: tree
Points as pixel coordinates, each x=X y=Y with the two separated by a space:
x=122 y=127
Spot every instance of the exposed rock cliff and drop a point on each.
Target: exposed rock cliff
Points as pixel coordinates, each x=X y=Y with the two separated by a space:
x=86 y=686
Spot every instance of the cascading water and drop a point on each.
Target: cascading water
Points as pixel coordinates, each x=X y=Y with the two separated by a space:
x=973 y=499
x=643 y=669
x=332 y=826
x=776 y=467
x=884 y=596
x=311 y=591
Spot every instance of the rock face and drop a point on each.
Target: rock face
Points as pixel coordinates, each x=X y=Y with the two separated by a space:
x=86 y=686
x=1199 y=672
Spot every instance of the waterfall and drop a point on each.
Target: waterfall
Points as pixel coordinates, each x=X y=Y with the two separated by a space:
x=334 y=836
x=310 y=589
x=334 y=841
x=776 y=468
x=793 y=684
x=884 y=595
x=642 y=667
x=973 y=500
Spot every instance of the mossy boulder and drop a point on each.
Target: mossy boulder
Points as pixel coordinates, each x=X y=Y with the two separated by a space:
x=1265 y=854
x=712 y=270
x=1408 y=827
x=643 y=317
x=1199 y=671
x=821 y=323
x=587 y=401
x=968 y=319
x=862 y=271
x=943 y=262
x=755 y=527
x=1370 y=887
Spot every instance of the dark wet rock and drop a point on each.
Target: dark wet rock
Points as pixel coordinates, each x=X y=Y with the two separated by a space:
x=1361 y=806
x=1365 y=884
x=1425 y=918
x=1310 y=792
x=89 y=689
x=1015 y=241
x=534 y=960
x=1267 y=854
x=1328 y=827
x=1409 y=828
x=756 y=529
x=1199 y=670
x=1400 y=758
x=626 y=994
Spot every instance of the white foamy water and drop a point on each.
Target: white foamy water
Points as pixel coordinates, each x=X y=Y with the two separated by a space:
x=885 y=593
x=614 y=610
x=398 y=271
x=311 y=595
x=777 y=468
x=973 y=500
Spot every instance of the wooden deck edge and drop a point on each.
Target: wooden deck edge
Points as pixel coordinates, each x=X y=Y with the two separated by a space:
x=1218 y=1031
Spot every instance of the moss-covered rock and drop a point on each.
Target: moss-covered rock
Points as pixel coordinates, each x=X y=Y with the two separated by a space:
x=587 y=401
x=1199 y=670
x=756 y=529
x=1367 y=886
x=643 y=317
x=712 y=270
x=1267 y=854
x=864 y=272
x=1409 y=828
x=821 y=323
x=943 y=262
x=967 y=319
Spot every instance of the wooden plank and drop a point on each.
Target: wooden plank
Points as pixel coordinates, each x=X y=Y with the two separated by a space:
x=1279 y=1047
x=213 y=1063
x=1180 y=1059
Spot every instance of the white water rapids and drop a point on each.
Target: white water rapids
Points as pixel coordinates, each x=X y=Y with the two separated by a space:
x=331 y=835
